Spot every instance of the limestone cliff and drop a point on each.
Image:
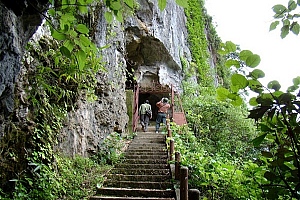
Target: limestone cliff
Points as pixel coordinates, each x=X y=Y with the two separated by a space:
x=150 y=42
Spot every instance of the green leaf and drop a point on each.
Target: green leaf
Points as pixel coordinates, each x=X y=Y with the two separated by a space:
x=257 y=73
x=85 y=40
x=182 y=3
x=115 y=5
x=238 y=101
x=108 y=16
x=273 y=25
x=257 y=141
x=129 y=3
x=292 y=5
x=255 y=86
x=82 y=28
x=65 y=51
x=239 y=80
x=230 y=46
x=162 y=4
x=279 y=9
x=274 y=85
x=245 y=54
x=222 y=94
x=229 y=63
x=253 y=101
x=69 y=45
x=253 y=61
x=284 y=31
x=296 y=81
x=52 y=12
x=58 y=36
x=80 y=56
x=119 y=16
x=295 y=28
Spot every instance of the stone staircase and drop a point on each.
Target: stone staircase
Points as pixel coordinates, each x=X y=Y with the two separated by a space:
x=144 y=173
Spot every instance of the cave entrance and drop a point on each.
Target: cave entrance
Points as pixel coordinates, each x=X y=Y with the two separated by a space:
x=154 y=93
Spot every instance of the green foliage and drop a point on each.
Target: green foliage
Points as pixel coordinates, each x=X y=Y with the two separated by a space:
x=198 y=42
x=216 y=176
x=110 y=150
x=277 y=115
x=71 y=178
x=288 y=17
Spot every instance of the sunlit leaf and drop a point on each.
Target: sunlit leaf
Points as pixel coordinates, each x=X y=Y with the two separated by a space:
x=238 y=101
x=82 y=28
x=129 y=3
x=257 y=73
x=115 y=5
x=253 y=101
x=231 y=62
x=69 y=45
x=80 y=56
x=255 y=86
x=277 y=93
x=85 y=40
x=58 y=36
x=119 y=16
x=162 y=4
x=108 y=16
x=296 y=81
x=222 y=94
x=253 y=61
x=183 y=3
x=239 y=80
x=52 y=12
x=245 y=54
x=230 y=46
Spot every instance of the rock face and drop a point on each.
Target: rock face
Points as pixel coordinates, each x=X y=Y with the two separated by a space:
x=18 y=23
x=149 y=43
x=155 y=42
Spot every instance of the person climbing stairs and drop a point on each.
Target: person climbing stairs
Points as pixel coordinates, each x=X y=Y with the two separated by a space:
x=144 y=173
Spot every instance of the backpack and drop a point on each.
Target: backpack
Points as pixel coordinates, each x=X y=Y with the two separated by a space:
x=149 y=113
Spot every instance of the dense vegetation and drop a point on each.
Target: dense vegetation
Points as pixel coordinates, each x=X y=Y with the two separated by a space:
x=227 y=156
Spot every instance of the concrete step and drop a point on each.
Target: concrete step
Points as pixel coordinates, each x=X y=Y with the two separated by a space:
x=145 y=161
x=128 y=198
x=126 y=192
x=140 y=171
x=144 y=153
x=142 y=166
x=152 y=178
x=146 y=156
x=138 y=184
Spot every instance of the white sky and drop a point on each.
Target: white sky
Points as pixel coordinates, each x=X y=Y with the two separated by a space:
x=246 y=23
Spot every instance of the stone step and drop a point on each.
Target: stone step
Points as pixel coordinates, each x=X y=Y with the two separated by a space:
x=127 y=192
x=141 y=147
x=140 y=171
x=145 y=161
x=145 y=153
x=146 y=156
x=138 y=184
x=146 y=150
x=142 y=166
x=152 y=178
x=128 y=198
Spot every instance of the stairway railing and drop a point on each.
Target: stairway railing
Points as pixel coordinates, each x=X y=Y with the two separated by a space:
x=181 y=172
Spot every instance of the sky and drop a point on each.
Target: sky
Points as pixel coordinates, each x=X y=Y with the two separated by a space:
x=246 y=23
